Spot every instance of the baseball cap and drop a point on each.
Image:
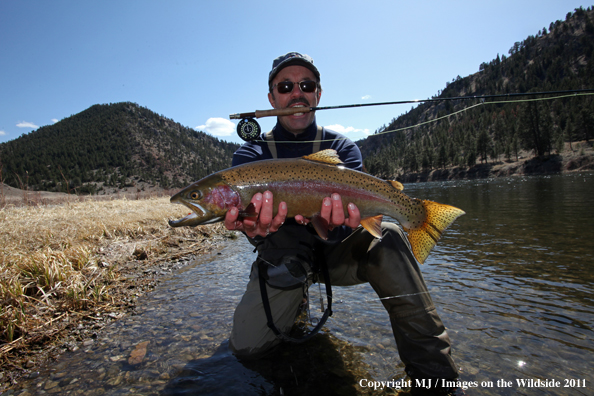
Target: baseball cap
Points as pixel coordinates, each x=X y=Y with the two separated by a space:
x=292 y=58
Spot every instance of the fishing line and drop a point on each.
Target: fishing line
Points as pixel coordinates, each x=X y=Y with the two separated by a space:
x=249 y=130
x=403 y=295
x=480 y=104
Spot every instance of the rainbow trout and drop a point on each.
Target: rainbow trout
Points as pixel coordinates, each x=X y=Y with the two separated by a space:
x=303 y=183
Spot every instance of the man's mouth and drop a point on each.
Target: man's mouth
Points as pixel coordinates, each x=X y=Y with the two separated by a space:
x=298 y=114
x=299 y=102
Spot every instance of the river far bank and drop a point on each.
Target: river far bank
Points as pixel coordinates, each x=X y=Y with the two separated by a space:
x=578 y=158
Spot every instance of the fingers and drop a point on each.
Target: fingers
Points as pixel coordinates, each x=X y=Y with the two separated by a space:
x=354 y=216
x=251 y=223
x=326 y=211
x=337 y=210
x=230 y=221
x=280 y=217
x=333 y=213
x=301 y=220
x=265 y=223
x=247 y=225
x=265 y=218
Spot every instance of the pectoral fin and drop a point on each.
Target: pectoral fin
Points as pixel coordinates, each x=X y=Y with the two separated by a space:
x=249 y=212
x=373 y=225
x=321 y=226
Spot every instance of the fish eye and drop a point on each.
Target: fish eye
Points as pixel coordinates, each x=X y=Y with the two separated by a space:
x=195 y=195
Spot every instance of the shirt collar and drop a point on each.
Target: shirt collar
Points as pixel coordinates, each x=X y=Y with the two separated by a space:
x=280 y=133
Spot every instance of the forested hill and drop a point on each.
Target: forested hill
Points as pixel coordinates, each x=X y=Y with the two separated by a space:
x=560 y=57
x=110 y=147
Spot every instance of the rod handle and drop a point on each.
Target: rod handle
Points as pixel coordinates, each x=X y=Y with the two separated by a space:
x=282 y=112
x=271 y=113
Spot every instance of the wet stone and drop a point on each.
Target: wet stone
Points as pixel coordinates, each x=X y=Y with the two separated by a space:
x=115 y=381
x=138 y=353
x=50 y=385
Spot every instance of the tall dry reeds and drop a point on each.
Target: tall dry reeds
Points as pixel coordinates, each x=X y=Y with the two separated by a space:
x=59 y=259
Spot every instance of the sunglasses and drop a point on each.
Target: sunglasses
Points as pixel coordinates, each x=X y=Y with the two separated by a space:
x=284 y=87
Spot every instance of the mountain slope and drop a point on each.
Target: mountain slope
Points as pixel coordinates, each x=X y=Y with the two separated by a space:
x=560 y=58
x=110 y=147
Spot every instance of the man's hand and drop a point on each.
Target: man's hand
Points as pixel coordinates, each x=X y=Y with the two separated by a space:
x=264 y=223
x=333 y=213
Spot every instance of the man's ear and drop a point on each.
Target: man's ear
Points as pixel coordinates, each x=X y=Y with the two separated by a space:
x=271 y=100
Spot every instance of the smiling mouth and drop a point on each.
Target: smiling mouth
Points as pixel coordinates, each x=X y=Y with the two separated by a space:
x=298 y=114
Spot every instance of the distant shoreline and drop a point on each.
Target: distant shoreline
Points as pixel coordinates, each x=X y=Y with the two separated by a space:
x=581 y=158
x=567 y=162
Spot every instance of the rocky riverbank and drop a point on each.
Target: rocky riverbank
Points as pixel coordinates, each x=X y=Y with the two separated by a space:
x=84 y=266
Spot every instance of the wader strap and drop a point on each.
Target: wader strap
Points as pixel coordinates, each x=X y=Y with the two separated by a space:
x=318 y=142
x=272 y=145
x=266 y=303
x=328 y=312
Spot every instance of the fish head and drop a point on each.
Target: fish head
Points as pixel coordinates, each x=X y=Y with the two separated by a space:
x=209 y=199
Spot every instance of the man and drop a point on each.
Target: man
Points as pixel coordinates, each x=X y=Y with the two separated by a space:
x=351 y=254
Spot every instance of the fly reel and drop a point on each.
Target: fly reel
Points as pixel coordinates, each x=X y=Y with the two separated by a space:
x=248 y=129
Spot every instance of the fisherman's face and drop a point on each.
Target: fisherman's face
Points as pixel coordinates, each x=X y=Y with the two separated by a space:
x=295 y=124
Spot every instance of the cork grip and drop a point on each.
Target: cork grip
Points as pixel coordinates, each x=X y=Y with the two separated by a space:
x=282 y=112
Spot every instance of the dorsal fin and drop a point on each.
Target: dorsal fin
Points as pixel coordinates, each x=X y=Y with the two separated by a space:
x=396 y=184
x=328 y=156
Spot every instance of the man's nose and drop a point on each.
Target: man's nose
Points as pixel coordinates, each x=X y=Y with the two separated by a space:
x=296 y=92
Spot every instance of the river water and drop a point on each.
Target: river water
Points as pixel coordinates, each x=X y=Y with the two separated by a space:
x=512 y=281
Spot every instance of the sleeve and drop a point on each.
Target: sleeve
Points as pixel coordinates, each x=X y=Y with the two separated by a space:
x=348 y=152
x=351 y=156
x=249 y=152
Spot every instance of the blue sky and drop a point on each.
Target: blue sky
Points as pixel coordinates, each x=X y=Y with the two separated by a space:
x=196 y=62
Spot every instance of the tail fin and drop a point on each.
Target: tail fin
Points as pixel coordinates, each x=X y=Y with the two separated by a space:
x=439 y=217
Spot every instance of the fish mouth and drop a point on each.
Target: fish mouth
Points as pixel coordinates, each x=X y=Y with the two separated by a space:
x=198 y=216
x=186 y=221
x=193 y=219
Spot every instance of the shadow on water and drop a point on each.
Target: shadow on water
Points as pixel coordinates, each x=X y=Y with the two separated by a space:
x=322 y=366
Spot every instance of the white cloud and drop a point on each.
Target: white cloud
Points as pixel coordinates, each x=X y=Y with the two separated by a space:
x=218 y=127
x=25 y=124
x=2 y=133
x=366 y=97
x=344 y=130
x=54 y=120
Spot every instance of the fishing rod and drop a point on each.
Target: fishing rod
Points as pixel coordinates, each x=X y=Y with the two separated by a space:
x=248 y=128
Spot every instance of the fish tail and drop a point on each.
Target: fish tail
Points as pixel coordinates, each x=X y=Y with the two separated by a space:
x=439 y=217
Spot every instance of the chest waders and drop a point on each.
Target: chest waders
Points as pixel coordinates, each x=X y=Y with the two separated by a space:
x=283 y=266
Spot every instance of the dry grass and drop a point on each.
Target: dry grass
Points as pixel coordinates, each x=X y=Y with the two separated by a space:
x=63 y=261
